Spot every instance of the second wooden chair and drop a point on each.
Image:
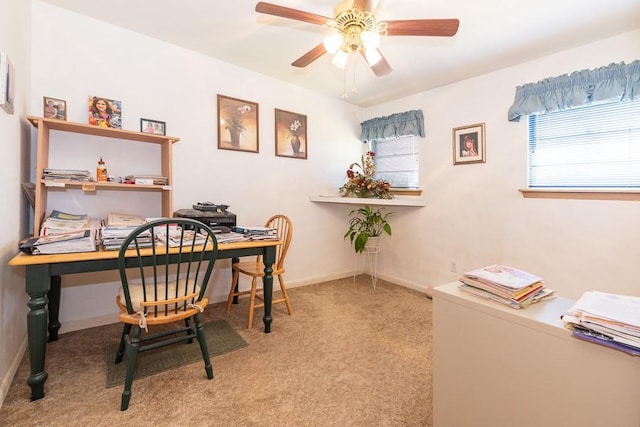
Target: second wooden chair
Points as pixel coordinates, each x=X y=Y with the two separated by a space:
x=255 y=269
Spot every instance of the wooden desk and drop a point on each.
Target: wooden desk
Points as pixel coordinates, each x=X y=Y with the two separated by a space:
x=43 y=285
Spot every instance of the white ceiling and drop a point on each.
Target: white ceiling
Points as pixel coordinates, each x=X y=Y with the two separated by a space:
x=493 y=34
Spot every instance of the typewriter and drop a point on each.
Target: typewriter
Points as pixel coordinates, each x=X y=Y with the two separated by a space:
x=217 y=217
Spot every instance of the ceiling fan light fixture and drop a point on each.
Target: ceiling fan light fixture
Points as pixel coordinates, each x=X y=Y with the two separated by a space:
x=340 y=59
x=372 y=56
x=370 y=39
x=332 y=43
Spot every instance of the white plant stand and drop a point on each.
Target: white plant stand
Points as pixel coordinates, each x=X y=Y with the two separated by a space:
x=372 y=249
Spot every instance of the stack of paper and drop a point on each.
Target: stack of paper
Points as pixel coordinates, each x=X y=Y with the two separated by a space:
x=117 y=228
x=255 y=232
x=506 y=285
x=607 y=319
x=63 y=232
x=66 y=174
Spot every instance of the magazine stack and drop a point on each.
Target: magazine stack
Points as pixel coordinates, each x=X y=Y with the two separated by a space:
x=607 y=319
x=505 y=285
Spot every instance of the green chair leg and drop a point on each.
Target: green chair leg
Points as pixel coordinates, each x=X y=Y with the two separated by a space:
x=126 y=330
x=203 y=346
x=132 y=355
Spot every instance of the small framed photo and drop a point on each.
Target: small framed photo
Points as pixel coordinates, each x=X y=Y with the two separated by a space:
x=237 y=124
x=153 y=126
x=291 y=134
x=105 y=112
x=54 y=108
x=469 y=144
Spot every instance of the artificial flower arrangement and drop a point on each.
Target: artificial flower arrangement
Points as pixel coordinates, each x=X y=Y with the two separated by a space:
x=362 y=183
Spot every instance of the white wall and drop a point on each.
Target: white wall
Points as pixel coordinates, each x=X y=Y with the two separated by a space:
x=14 y=134
x=475 y=215
x=167 y=83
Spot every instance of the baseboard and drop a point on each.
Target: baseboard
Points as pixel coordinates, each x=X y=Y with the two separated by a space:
x=425 y=289
x=7 y=379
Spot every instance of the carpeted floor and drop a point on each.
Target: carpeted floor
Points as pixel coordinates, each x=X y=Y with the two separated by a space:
x=349 y=356
x=221 y=338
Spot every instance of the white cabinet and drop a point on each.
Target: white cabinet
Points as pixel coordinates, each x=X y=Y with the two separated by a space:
x=44 y=128
x=499 y=367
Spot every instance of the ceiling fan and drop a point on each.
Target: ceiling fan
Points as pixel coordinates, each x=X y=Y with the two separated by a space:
x=356 y=29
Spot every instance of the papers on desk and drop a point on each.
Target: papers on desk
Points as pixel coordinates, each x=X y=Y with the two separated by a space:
x=607 y=319
x=63 y=232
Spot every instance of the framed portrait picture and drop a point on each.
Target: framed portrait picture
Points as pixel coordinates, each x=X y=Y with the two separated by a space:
x=237 y=124
x=105 y=112
x=53 y=108
x=291 y=134
x=153 y=126
x=469 y=144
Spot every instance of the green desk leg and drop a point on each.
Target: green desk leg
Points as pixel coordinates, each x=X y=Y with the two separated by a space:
x=268 y=259
x=233 y=261
x=37 y=280
x=54 y=307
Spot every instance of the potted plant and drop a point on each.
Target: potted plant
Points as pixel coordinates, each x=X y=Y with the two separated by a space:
x=365 y=223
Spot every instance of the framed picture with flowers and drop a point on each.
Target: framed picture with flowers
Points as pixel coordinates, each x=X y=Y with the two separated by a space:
x=237 y=124
x=291 y=134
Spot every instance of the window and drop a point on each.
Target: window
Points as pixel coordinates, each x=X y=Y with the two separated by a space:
x=396 y=161
x=595 y=146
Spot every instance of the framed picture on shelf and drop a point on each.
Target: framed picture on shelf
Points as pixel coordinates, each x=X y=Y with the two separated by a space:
x=291 y=134
x=53 y=108
x=237 y=124
x=153 y=126
x=105 y=112
x=469 y=144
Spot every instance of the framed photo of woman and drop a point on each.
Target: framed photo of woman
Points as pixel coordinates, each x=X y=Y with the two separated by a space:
x=469 y=144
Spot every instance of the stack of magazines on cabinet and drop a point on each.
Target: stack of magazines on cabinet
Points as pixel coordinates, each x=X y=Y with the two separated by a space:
x=607 y=319
x=63 y=232
x=506 y=285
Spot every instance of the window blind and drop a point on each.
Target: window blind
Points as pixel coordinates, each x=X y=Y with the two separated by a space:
x=595 y=146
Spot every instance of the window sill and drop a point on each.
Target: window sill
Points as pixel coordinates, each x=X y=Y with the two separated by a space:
x=581 y=194
x=396 y=201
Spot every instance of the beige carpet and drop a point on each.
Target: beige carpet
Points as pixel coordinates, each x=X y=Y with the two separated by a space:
x=349 y=356
x=221 y=338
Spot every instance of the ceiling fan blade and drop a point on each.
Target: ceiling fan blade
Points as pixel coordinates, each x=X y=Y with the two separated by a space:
x=286 y=12
x=423 y=27
x=365 y=5
x=310 y=56
x=381 y=67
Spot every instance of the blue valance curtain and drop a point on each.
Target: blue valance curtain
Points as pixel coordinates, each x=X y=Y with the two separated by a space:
x=409 y=123
x=613 y=82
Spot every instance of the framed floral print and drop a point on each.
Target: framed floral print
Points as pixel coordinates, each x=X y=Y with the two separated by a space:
x=237 y=124
x=469 y=144
x=291 y=134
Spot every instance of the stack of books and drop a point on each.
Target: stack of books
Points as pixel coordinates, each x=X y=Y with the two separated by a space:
x=254 y=232
x=63 y=232
x=607 y=319
x=506 y=285
x=117 y=228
